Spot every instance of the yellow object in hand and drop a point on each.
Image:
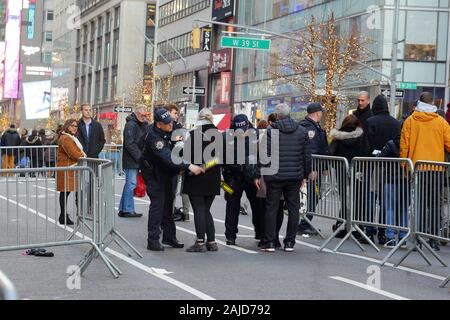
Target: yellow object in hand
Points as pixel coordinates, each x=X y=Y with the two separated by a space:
x=226 y=188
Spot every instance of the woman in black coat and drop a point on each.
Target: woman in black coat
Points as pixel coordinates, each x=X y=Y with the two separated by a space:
x=204 y=188
x=349 y=142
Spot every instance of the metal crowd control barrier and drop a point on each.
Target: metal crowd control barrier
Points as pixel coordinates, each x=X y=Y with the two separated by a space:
x=431 y=182
x=34 y=220
x=327 y=192
x=381 y=196
x=7 y=289
x=43 y=156
x=103 y=178
x=113 y=153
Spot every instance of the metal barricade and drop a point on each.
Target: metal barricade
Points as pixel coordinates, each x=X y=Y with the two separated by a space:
x=35 y=218
x=381 y=197
x=44 y=156
x=327 y=192
x=103 y=175
x=7 y=289
x=431 y=181
x=113 y=153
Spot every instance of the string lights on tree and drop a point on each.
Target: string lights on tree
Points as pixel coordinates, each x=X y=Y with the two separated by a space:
x=321 y=63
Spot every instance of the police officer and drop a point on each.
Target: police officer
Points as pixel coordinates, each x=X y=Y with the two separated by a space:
x=239 y=177
x=318 y=146
x=159 y=171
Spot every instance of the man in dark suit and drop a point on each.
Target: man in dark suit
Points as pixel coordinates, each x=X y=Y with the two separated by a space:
x=91 y=133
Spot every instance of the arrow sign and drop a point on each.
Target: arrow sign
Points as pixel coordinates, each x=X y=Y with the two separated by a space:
x=198 y=91
x=398 y=93
x=123 y=109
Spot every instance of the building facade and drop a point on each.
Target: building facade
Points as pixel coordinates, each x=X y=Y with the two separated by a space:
x=423 y=54
x=207 y=67
x=111 y=53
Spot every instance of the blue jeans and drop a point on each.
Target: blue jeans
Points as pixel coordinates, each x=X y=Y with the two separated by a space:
x=396 y=209
x=127 y=200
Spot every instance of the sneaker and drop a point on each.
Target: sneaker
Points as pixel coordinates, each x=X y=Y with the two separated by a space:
x=212 y=247
x=308 y=231
x=155 y=247
x=390 y=244
x=260 y=244
x=363 y=240
x=382 y=240
x=434 y=245
x=231 y=242
x=341 y=234
x=174 y=243
x=268 y=247
x=198 y=247
x=289 y=247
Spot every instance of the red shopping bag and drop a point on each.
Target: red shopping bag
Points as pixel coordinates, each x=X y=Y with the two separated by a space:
x=140 y=187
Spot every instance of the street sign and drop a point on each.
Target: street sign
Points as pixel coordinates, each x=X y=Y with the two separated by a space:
x=246 y=43
x=407 y=85
x=398 y=93
x=199 y=91
x=123 y=109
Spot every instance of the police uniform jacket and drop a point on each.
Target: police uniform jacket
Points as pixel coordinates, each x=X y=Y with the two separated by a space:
x=156 y=161
x=318 y=137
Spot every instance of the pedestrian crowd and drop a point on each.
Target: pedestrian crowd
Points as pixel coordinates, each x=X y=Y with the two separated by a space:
x=148 y=149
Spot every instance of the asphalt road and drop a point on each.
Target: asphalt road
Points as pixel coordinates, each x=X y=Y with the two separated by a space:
x=235 y=273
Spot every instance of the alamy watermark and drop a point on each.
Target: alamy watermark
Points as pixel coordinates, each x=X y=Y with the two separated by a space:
x=73 y=282
x=374 y=279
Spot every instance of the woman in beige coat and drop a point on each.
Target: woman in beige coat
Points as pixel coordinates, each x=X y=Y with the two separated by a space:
x=70 y=151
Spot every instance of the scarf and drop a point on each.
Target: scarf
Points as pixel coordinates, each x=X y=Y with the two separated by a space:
x=77 y=142
x=425 y=107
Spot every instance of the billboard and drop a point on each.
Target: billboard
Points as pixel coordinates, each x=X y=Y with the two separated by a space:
x=12 y=49
x=37 y=99
x=222 y=9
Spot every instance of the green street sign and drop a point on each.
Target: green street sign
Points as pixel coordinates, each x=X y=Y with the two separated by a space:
x=407 y=85
x=245 y=43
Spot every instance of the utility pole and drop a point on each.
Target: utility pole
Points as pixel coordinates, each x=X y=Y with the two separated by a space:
x=194 y=80
x=394 y=57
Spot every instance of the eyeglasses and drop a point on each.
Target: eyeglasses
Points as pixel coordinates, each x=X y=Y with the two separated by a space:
x=74 y=126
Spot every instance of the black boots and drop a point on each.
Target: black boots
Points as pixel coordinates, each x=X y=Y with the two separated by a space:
x=65 y=220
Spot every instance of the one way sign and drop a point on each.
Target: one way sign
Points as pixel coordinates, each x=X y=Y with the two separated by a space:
x=398 y=93
x=198 y=91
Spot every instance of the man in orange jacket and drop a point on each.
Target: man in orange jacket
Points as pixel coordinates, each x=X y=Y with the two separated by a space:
x=426 y=137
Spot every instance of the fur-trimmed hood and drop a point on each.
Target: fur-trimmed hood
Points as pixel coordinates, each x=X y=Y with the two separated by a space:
x=342 y=135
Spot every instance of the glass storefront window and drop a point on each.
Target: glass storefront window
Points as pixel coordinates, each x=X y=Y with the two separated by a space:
x=421 y=36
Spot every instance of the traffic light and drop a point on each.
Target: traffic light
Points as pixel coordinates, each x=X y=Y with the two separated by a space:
x=196 y=35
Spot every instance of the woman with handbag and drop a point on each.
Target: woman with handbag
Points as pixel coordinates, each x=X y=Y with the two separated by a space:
x=70 y=151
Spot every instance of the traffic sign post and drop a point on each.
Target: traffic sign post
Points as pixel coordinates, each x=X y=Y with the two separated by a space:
x=199 y=91
x=246 y=43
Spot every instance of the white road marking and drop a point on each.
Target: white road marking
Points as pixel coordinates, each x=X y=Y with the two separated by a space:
x=218 y=241
x=152 y=271
x=372 y=260
x=370 y=288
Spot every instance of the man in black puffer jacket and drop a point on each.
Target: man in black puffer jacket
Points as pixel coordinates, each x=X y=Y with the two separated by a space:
x=381 y=129
x=292 y=154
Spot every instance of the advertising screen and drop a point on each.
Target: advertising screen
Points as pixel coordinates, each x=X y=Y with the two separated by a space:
x=12 y=54
x=37 y=99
